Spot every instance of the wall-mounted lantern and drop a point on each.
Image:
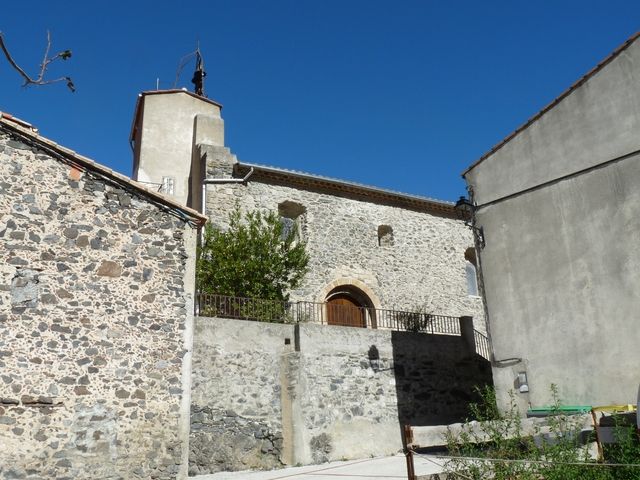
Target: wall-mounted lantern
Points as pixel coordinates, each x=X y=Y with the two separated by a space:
x=466 y=211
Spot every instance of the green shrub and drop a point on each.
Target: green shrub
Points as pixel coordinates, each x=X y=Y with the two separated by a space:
x=415 y=321
x=553 y=454
x=256 y=257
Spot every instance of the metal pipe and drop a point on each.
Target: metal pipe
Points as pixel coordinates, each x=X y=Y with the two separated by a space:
x=207 y=181
x=229 y=180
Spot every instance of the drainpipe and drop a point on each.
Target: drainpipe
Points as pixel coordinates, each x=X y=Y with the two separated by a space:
x=480 y=276
x=207 y=181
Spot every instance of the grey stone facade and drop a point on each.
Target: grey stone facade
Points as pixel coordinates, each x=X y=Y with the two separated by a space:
x=405 y=257
x=95 y=318
x=401 y=252
x=265 y=395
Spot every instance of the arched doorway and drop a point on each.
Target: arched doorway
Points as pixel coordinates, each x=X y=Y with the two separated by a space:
x=349 y=306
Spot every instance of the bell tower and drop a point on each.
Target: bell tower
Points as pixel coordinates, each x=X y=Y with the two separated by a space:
x=168 y=127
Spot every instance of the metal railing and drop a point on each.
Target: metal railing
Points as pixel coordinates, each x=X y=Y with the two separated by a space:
x=324 y=313
x=482 y=344
x=223 y=306
x=345 y=315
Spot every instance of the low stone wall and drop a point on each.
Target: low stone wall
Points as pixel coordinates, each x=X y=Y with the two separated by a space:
x=266 y=395
x=236 y=409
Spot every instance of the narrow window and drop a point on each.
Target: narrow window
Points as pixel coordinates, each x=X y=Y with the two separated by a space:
x=288 y=226
x=292 y=217
x=385 y=236
x=471 y=272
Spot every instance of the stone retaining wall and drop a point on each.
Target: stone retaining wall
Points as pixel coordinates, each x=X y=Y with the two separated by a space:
x=236 y=408
x=266 y=395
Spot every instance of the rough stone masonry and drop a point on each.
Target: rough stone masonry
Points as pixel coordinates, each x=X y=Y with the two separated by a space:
x=94 y=313
x=266 y=395
x=418 y=266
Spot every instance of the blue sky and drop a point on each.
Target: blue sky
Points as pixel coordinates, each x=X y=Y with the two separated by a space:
x=402 y=95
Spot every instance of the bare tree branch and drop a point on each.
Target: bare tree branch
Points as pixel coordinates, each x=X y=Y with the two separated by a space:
x=43 y=65
x=46 y=61
x=12 y=61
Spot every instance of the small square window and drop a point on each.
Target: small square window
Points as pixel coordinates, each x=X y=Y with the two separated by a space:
x=168 y=185
x=385 y=236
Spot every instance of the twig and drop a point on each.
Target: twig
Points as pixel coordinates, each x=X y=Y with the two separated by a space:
x=198 y=75
x=46 y=61
x=183 y=62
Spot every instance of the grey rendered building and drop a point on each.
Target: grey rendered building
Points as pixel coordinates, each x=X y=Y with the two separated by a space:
x=559 y=205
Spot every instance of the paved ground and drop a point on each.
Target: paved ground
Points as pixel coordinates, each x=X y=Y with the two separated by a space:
x=382 y=468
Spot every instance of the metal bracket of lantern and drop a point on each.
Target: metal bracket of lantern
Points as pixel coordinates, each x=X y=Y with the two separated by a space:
x=466 y=212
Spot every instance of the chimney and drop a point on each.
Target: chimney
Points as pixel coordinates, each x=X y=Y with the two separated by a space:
x=167 y=128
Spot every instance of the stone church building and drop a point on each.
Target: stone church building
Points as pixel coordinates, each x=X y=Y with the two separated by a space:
x=264 y=394
x=368 y=247
x=105 y=370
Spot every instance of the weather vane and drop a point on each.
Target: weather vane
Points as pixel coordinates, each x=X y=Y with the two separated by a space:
x=198 y=74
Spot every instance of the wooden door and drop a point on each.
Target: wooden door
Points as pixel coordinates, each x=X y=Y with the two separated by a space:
x=343 y=310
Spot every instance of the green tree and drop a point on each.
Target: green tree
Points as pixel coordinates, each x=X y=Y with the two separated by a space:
x=255 y=257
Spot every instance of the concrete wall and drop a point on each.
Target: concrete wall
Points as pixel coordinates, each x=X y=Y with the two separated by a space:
x=266 y=395
x=562 y=279
x=423 y=269
x=598 y=121
x=95 y=316
x=560 y=266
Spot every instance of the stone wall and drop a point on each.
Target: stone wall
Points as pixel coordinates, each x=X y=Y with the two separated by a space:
x=94 y=321
x=236 y=408
x=265 y=395
x=421 y=267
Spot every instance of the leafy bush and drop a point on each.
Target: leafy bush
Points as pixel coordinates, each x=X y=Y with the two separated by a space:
x=417 y=321
x=552 y=451
x=256 y=257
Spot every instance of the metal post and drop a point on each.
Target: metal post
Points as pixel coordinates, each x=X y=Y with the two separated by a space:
x=408 y=447
x=467 y=333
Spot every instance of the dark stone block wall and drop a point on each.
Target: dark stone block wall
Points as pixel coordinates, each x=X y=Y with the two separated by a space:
x=92 y=318
x=435 y=378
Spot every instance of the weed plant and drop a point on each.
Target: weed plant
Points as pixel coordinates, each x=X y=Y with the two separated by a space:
x=551 y=450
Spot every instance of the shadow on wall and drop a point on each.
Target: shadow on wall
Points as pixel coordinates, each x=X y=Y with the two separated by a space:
x=435 y=378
